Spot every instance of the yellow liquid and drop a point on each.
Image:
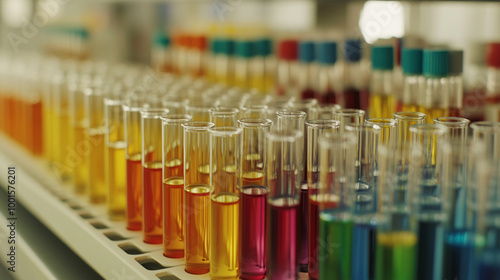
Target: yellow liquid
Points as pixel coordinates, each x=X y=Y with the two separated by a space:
x=116 y=179
x=97 y=172
x=82 y=146
x=62 y=135
x=382 y=106
x=47 y=132
x=410 y=108
x=399 y=238
x=433 y=113
x=224 y=232
x=173 y=217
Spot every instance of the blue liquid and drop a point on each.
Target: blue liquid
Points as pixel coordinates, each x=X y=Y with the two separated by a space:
x=363 y=252
x=430 y=250
x=459 y=255
x=488 y=265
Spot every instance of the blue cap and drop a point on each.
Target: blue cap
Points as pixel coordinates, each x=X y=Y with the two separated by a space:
x=244 y=49
x=263 y=47
x=327 y=52
x=215 y=45
x=382 y=57
x=161 y=39
x=436 y=63
x=306 y=51
x=411 y=61
x=352 y=50
x=227 y=47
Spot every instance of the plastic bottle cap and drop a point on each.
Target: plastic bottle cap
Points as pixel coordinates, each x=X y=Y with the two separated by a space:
x=436 y=63
x=352 y=50
x=411 y=61
x=306 y=52
x=327 y=52
x=244 y=49
x=382 y=57
x=200 y=42
x=161 y=39
x=456 y=62
x=493 y=55
x=215 y=45
x=263 y=47
x=227 y=47
x=288 y=50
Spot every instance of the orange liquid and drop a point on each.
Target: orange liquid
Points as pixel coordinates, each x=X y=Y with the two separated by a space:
x=134 y=192
x=173 y=217
x=152 y=203
x=197 y=224
x=253 y=178
x=9 y=116
x=37 y=128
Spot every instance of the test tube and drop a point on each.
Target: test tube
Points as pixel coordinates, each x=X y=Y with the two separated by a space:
x=196 y=196
x=315 y=130
x=323 y=112
x=173 y=185
x=283 y=174
x=61 y=129
x=430 y=161
x=116 y=160
x=253 y=214
x=225 y=149
x=336 y=179
x=404 y=121
x=387 y=130
x=152 y=222
x=349 y=117
x=200 y=111
x=224 y=117
x=254 y=111
x=457 y=259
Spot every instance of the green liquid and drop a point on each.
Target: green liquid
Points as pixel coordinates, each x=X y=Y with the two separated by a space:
x=396 y=256
x=335 y=244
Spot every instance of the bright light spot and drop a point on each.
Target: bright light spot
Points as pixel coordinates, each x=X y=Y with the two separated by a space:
x=16 y=12
x=382 y=20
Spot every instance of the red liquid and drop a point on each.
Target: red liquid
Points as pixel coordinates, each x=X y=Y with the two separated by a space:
x=253 y=232
x=302 y=226
x=329 y=97
x=152 y=204
x=282 y=240
x=352 y=98
x=455 y=112
x=399 y=106
x=134 y=193
x=308 y=93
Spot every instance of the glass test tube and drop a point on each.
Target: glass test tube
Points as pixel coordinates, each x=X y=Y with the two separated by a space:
x=387 y=130
x=133 y=139
x=253 y=214
x=96 y=131
x=254 y=111
x=152 y=222
x=199 y=111
x=457 y=258
x=115 y=159
x=435 y=102
x=61 y=140
x=404 y=121
x=173 y=185
x=283 y=174
x=349 y=117
x=428 y=187
x=224 y=117
x=81 y=143
x=225 y=149
x=315 y=129
x=196 y=196
x=382 y=97
x=323 y=112
x=336 y=181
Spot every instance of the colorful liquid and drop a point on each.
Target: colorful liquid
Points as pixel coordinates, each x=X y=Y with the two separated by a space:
x=35 y=127
x=134 y=192
x=152 y=225
x=64 y=164
x=224 y=233
x=409 y=108
x=173 y=217
x=433 y=113
x=382 y=106
x=250 y=178
x=352 y=98
x=430 y=250
x=335 y=239
x=458 y=255
x=47 y=132
x=282 y=239
x=455 y=112
x=82 y=147
x=363 y=252
x=197 y=228
x=116 y=180
x=329 y=97
x=308 y=93
x=488 y=265
x=395 y=256
x=253 y=232
x=97 y=174
x=302 y=228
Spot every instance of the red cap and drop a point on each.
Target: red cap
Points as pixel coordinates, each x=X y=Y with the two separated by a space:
x=200 y=42
x=288 y=50
x=493 y=55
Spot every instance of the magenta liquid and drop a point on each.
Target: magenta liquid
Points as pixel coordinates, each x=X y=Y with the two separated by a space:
x=282 y=237
x=302 y=227
x=253 y=232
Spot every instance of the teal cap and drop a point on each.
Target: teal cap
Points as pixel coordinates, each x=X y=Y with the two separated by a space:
x=411 y=61
x=161 y=39
x=227 y=47
x=436 y=63
x=306 y=51
x=245 y=49
x=215 y=45
x=263 y=47
x=382 y=57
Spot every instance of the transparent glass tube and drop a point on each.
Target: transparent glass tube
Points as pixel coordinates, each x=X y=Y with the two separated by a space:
x=133 y=155
x=283 y=156
x=349 y=117
x=404 y=121
x=196 y=196
x=81 y=143
x=173 y=185
x=96 y=131
x=254 y=111
x=315 y=130
x=199 y=111
x=304 y=105
x=487 y=132
x=116 y=160
x=225 y=187
x=337 y=184
x=387 y=130
x=224 y=117
x=152 y=222
x=61 y=140
x=428 y=190
x=324 y=112
x=382 y=99
x=253 y=215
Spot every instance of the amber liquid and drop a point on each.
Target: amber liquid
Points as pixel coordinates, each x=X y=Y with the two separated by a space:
x=433 y=113
x=252 y=178
x=35 y=129
x=410 y=108
x=173 y=217
x=134 y=192
x=382 y=106
x=97 y=172
x=47 y=132
x=82 y=146
x=116 y=180
x=152 y=202
x=197 y=228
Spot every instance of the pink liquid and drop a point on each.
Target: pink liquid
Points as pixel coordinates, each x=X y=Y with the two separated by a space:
x=303 y=252
x=282 y=237
x=253 y=232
